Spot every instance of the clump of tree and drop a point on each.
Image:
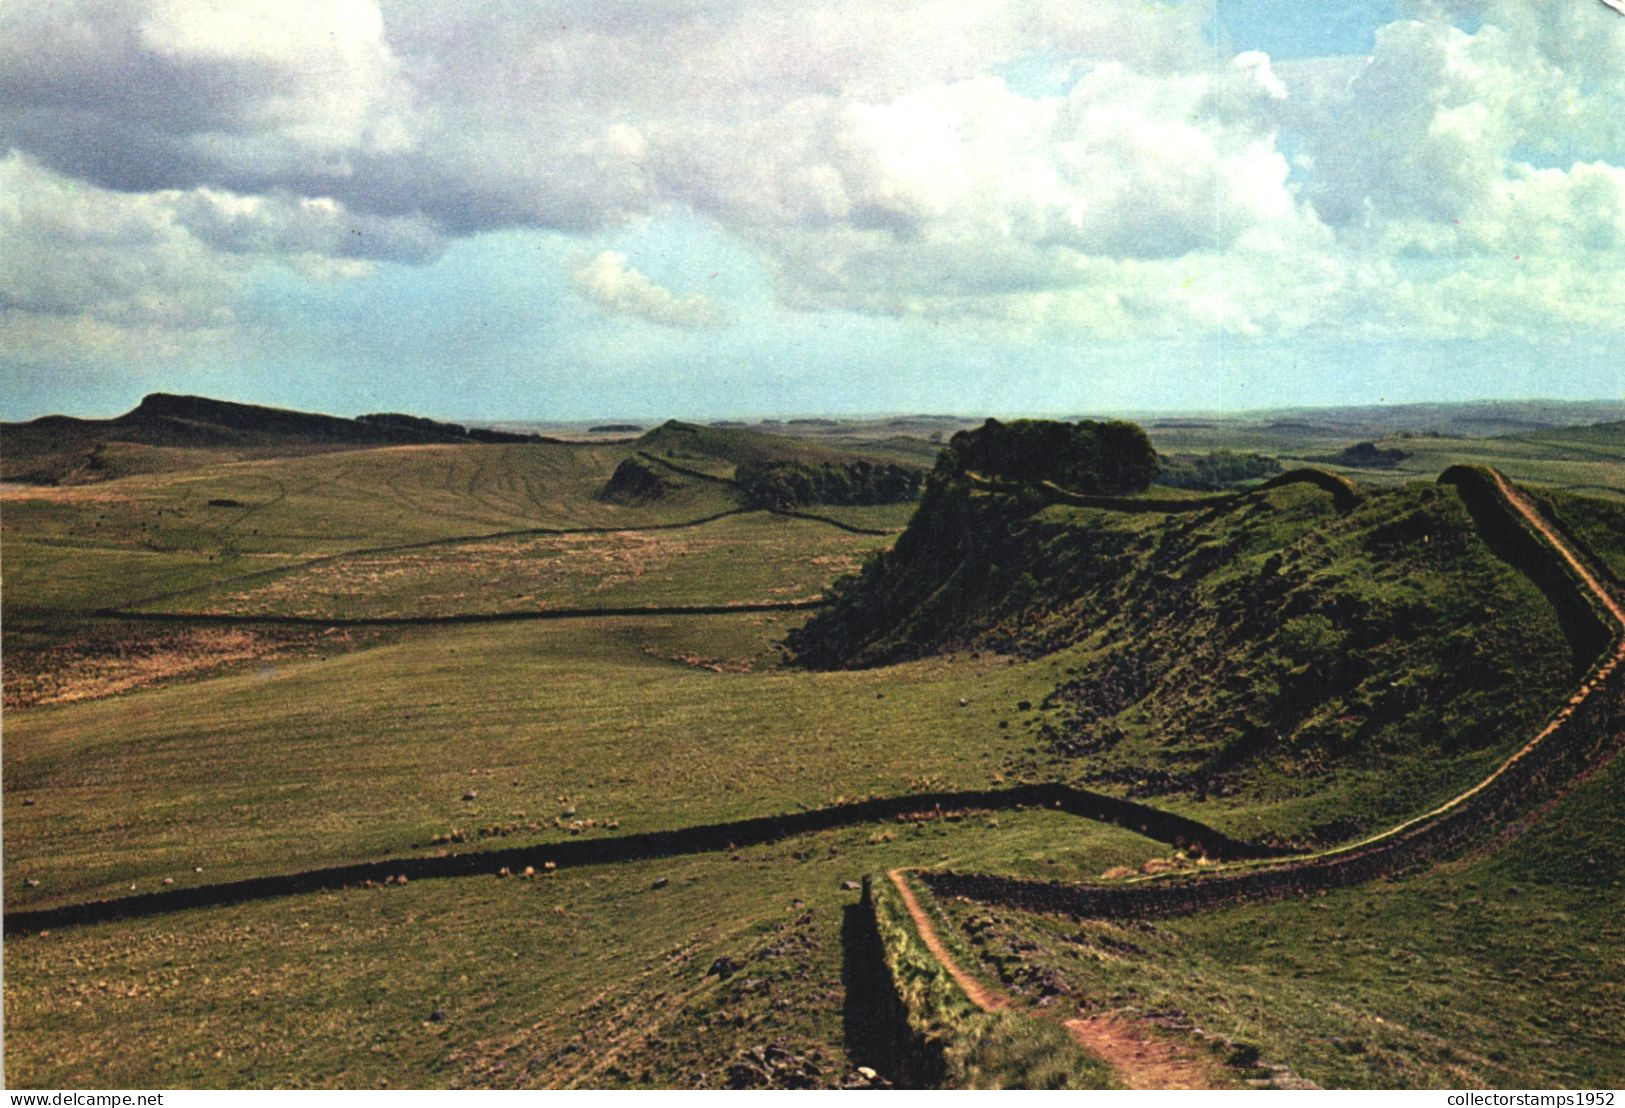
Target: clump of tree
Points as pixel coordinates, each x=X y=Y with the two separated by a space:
x=1111 y=458
x=1222 y=469
x=791 y=484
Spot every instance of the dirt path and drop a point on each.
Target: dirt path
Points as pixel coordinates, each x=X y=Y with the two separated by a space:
x=1139 y=1056
x=1538 y=522
x=988 y=1000
x=1143 y=1059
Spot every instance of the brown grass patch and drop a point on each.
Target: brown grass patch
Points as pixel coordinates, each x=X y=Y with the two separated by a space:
x=91 y=668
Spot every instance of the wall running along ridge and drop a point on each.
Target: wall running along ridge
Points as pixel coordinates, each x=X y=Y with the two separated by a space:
x=882 y=1032
x=1344 y=494
x=1586 y=728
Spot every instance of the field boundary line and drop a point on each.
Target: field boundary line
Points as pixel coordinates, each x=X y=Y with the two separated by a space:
x=610 y=849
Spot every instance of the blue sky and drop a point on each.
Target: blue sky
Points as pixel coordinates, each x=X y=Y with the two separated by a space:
x=724 y=208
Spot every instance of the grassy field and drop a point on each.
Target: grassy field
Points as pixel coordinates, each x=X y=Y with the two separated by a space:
x=139 y=755
x=591 y=977
x=1497 y=970
x=1587 y=459
x=755 y=557
x=353 y=755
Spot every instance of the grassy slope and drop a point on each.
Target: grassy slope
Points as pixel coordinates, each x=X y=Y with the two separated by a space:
x=1498 y=970
x=687 y=441
x=371 y=752
x=1332 y=672
x=754 y=557
x=350 y=755
x=590 y=978
x=1588 y=459
x=1598 y=524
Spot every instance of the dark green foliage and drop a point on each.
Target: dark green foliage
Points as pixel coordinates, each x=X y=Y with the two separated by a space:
x=1222 y=469
x=791 y=484
x=1112 y=458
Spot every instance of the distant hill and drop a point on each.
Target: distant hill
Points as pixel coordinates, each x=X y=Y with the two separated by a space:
x=774 y=470
x=1366 y=455
x=64 y=450
x=1609 y=435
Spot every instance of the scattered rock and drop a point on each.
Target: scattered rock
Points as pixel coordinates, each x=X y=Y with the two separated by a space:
x=437 y=1016
x=724 y=968
x=660 y=883
x=31 y=882
x=963 y=703
x=1243 y=1055
x=850 y=886
x=773 y=1067
x=169 y=880
x=471 y=794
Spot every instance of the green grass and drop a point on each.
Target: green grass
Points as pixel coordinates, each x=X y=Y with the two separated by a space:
x=1322 y=675
x=1497 y=970
x=1586 y=459
x=326 y=503
x=1600 y=525
x=756 y=557
x=353 y=755
x=1548 y=460
x=329 y=748
x=588 y=978
x=1003 y=1049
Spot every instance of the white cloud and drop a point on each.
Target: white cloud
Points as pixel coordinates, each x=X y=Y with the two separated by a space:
x=610 y=282
x=165 y=267
x=870 y=153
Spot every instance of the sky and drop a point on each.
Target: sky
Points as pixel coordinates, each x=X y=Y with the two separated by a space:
x=583 y=209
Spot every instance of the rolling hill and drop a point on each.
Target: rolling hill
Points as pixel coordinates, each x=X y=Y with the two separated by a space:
x=628 y=847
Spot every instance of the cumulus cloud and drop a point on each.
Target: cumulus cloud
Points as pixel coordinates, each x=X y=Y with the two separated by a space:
x=160 y=266
x=610 y=282
x=876 y=156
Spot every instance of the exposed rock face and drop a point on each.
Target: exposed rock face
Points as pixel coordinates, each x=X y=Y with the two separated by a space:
x=635 y=482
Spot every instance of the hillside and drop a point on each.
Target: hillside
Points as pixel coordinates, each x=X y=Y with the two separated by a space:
x=1273 y=645
x=366 y=818
x=770 y=470
x=166 y=432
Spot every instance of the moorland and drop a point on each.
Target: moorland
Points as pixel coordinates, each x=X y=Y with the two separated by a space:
x=1274 y=750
